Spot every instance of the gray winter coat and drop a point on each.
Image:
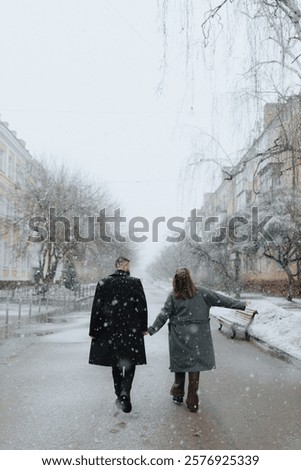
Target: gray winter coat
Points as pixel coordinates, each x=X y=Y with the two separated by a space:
x=190 y=341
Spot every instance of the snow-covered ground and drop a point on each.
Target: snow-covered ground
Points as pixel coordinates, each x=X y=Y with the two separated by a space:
x=278 y=323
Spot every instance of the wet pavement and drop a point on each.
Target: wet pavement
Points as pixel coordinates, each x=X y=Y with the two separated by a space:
x=51 y=398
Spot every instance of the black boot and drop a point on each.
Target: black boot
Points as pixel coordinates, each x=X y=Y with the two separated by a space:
x=123 y=379
x=117 y=379
x=124 y=403
x=177 y=390
x=192 y=400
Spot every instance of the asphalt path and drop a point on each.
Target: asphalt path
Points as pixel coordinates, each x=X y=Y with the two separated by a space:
x=51 y=398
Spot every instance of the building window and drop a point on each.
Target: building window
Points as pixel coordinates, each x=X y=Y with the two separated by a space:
x=259 y=265
x=1 y=254
x=2 y=157
x=6 y=254
x=276 y=181
x=11 y=165
x=2 y=201
x=18 y=173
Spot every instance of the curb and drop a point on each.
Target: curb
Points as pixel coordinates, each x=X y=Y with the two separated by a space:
x=275 y=352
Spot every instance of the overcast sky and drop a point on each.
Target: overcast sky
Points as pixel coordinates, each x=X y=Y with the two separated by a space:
x=78 y=83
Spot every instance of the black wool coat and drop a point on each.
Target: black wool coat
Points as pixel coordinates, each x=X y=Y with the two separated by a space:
x=118 y=318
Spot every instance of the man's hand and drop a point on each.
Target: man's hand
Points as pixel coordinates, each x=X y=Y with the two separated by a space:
x=145 y=333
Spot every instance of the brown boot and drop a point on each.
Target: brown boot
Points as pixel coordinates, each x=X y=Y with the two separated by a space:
x=192 y=400
x=177 y=390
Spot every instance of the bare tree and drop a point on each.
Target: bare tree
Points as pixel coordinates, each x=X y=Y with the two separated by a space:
x=265 y=34
x=171 y=258
x=58 y=209
x=277 y=22
x=284 y=247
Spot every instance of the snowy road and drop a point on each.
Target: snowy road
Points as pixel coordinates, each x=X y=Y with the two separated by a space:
x=52 y=399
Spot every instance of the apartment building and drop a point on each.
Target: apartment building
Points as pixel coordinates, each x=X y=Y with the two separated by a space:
x=269 y=169
x=15 y=263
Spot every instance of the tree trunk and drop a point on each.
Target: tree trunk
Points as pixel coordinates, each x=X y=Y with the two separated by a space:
x=290 y=290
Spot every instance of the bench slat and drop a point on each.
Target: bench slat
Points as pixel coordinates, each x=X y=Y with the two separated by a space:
x=238 y=319
x=232 y=320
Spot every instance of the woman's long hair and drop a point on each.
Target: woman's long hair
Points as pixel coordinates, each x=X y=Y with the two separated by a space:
x=183 y=285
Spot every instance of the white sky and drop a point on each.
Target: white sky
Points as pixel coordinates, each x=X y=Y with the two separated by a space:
x=78 y=82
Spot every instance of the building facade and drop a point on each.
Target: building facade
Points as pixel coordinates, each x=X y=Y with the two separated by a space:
x=15 y=265
x=269 y=170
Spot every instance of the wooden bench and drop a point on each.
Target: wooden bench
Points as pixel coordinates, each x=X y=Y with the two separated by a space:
x=238 y=319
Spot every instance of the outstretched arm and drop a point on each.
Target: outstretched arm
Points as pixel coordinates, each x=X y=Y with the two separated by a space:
x=214 y=299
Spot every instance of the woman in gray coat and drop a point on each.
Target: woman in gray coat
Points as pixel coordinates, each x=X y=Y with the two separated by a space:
x=190 y=342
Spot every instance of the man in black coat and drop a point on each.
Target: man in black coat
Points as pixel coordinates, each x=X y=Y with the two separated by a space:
x=117 y=327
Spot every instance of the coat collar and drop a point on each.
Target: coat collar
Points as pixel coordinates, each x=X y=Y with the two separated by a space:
x=120 y=272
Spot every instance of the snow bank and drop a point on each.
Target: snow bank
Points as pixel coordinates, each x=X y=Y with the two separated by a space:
x=276 y=326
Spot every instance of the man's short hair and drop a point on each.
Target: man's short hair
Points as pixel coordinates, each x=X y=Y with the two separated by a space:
x=121 y=260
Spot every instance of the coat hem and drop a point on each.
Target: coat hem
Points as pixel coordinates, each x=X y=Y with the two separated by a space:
x=192 y=369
